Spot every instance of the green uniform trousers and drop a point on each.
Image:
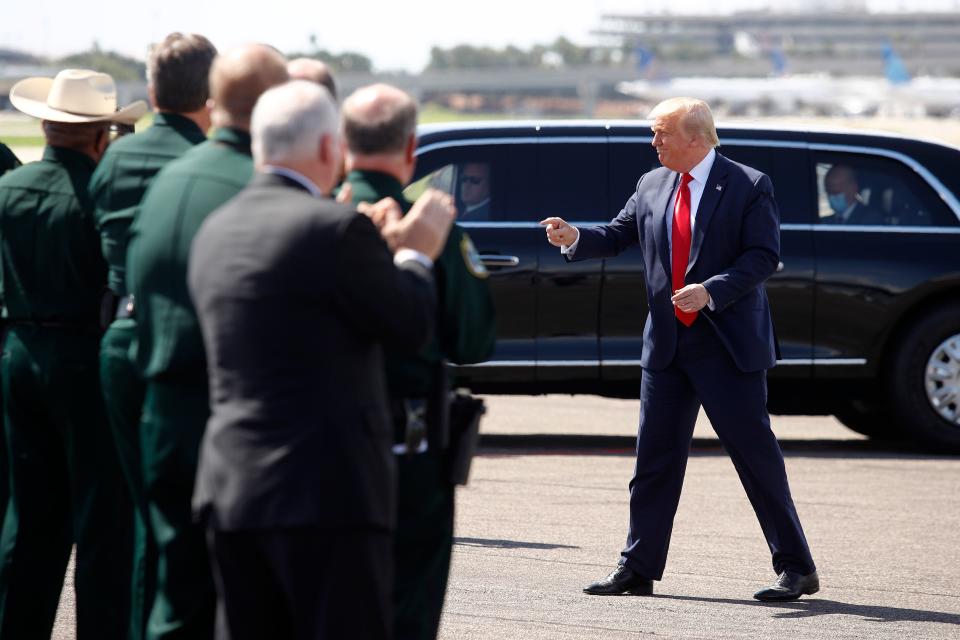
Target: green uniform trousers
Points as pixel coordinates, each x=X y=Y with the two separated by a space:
x=422 y=545
x=66 y=487
x=172 y=426
x=123 y=391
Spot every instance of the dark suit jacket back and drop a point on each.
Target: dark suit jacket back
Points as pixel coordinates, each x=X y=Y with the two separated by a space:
x=735 y=248
x=294 y=296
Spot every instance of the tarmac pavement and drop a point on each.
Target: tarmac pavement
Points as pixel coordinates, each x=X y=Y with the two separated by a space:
x=533 y=528
x=545 y=514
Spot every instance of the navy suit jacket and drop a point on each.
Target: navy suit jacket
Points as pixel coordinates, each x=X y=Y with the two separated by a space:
x=735 y=248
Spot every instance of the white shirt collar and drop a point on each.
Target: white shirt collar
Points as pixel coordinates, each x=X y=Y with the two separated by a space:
x=296 y=176
x=701 y=172
x=474 y=207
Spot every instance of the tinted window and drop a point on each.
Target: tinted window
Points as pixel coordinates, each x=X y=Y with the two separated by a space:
x=572 y=180
x=788 y=169
x=854 y=189
x=628 y=161
x=489 y=182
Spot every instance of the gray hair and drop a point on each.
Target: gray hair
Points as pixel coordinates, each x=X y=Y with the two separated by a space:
x=693 y=115
x=289 y=120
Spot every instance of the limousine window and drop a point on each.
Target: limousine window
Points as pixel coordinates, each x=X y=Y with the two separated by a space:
x=572 y=181
x=489 y=183
x=863 y=190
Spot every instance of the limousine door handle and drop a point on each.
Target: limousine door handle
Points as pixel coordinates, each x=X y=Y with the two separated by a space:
x=779 y=267
x=498 y=261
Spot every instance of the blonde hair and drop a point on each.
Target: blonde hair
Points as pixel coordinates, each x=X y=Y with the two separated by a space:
x=693 y=115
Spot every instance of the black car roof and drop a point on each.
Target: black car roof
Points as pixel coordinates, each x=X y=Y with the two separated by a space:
x=431 y=133
x=941 y=159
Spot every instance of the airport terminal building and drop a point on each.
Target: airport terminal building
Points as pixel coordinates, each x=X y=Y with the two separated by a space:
x=816 y=38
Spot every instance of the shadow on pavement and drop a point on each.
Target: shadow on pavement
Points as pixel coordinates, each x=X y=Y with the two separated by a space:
x=508 y=544
x=808 y=608
x=559 y=444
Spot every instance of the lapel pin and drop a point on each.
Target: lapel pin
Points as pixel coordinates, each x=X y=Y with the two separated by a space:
x=719 y=188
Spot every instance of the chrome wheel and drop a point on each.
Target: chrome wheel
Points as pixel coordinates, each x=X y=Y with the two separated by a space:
x=942 y=380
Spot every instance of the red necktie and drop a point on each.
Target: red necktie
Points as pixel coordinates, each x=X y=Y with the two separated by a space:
x=681 y=243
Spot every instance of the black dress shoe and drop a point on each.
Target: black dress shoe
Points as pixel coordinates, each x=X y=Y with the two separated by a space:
x=790 y=586
x=621 y=580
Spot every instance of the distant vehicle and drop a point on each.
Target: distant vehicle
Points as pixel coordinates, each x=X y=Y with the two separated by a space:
x=867 y=315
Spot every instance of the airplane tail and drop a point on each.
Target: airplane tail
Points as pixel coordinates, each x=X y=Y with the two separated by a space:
x=894 y=68
x=644 y=59
x=779 y=62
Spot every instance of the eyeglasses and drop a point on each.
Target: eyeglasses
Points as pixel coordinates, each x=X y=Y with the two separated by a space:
x=471 y=179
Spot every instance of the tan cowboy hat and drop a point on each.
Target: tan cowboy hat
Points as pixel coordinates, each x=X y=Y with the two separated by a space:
x=75 y=95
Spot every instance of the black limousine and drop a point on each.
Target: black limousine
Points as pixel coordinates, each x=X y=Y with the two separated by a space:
x=866 y=300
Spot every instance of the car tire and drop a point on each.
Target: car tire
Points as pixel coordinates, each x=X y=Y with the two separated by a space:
x=872 y=420
x=926 y=365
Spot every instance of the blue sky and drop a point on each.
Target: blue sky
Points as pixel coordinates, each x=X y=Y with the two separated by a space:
x=395 y=35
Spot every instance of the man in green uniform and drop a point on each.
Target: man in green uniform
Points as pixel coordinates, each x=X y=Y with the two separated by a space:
x=379 y=125
x=177 y=70
x=8 y=162
x=168 y=348
x=66 y=483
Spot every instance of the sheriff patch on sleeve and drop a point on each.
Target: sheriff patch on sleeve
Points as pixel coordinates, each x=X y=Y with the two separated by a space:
x=472 y=258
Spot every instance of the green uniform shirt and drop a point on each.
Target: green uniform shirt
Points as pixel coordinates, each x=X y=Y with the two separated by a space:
x=8 y=161
x=52 y=266
x=169 y=345
x=122 y=177
x=465 y=325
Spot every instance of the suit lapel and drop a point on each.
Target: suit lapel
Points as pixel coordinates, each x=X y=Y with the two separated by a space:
x=663 y=216
x=712 y=192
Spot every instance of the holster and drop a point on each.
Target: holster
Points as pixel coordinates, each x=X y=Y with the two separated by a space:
x=465 y=413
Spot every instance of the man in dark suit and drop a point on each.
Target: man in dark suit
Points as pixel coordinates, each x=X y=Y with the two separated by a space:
x=295 y=294
x=709 y=231
x=843 y=195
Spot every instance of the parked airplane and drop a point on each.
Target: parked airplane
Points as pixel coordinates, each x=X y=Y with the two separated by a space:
x=821 y=93
x=932 y=95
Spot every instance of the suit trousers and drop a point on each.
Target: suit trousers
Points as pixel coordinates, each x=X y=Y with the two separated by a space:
x=735 y=402
x=66 y=487
x=302 y=583
x=423 y=545
x=123 y=391
x=174 y=420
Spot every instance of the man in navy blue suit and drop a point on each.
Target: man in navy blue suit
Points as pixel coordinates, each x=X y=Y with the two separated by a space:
x=710 y=235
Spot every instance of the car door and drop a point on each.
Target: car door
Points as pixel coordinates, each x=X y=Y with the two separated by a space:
x=791 y=289
x=570 y=183
x=901 y=238
x=507 y=238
